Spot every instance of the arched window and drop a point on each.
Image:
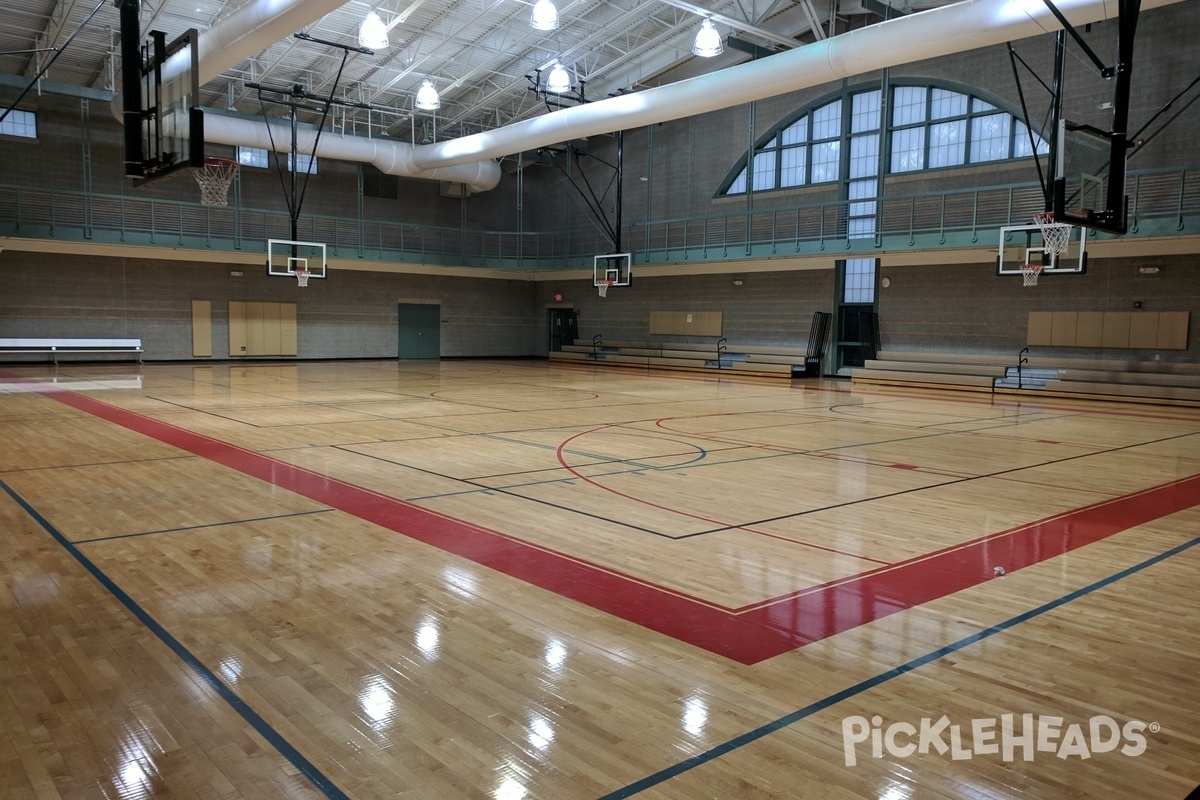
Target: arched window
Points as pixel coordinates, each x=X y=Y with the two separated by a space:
x=929 y=127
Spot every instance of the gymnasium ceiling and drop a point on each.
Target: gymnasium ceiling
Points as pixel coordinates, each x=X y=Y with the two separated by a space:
x=478 y=53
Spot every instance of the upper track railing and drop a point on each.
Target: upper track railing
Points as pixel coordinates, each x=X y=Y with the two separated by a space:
x=1162 y=203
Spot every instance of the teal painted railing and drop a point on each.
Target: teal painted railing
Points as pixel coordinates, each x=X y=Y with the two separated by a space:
x=1162 y=203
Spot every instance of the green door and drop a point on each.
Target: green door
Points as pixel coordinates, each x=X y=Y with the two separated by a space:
x=420 y=331
x=563 y=328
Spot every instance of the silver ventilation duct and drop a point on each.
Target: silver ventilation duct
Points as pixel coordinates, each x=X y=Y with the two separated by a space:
x=388 y=156
x=253 y=28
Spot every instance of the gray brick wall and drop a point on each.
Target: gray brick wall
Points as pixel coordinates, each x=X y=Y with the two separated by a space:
x=353 y=314
x=969 y=309
x=768 y=308
x=692 y=156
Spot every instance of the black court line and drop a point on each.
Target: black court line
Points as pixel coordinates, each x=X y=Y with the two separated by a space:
x=116 y=463
x=967 y=479
x=953 y=480
x=260 y=725
x=202 y=527
x=180 y=407
x=366 y=417
x=870 y=683
x=479 y=487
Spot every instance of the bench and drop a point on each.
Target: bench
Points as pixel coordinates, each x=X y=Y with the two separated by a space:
x=995 y=371
x=1175 y=383
x=950 y=371
x=1179 y=395
x=55 y=347
x=931 y=379
x=707 y=357
x=977 y=359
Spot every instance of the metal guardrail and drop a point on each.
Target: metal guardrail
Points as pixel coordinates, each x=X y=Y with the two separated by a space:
x=1162 y=202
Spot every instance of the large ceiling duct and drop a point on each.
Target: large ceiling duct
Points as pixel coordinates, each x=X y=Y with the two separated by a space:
x=253 y=28
x=386 y=155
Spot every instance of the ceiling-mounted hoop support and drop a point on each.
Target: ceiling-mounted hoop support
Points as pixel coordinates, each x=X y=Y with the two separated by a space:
x=294 y=98
x=594 y=201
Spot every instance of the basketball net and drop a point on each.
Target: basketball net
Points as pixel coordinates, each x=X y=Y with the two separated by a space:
x=603 y=285
x=214 y=178
x=1030 y=273
x=1055 y=235
x=302 y=277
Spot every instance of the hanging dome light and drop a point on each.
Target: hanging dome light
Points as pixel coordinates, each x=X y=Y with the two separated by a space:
x=708 y=41
x=559 y=80
x=372 y=33
x=545 y=16
x=427 y=97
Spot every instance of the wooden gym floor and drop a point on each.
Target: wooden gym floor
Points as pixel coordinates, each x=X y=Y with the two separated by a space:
x=517 y=580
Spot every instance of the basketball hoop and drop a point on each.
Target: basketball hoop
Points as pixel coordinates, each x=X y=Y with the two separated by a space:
x=603 y=285
x=214 y=178
x=1055 y=235
x=1030 y=273
x=302 y=277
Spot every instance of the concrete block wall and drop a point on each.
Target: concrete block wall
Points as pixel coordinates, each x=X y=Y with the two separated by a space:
x=353 y=314
x=957 y=308
x=691 y=157
x=56 y=160
x=768 y=308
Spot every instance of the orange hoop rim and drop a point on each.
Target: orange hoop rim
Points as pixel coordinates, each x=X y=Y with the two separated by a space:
x=217 y=161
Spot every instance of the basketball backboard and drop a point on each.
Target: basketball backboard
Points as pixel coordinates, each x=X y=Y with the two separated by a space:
x=1023 y=244
x=617 y=268
x=285 y=256
x=1089 y=185
x=164 y=126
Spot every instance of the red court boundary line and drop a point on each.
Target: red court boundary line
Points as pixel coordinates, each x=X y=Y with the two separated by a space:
x=753 y=635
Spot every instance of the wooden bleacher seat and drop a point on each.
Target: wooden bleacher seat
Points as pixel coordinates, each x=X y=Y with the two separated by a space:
x=1139 y=391
x=939 y=380
x=1153 y=381
x=993 y=370
x=749 y=360
x=1132 y=377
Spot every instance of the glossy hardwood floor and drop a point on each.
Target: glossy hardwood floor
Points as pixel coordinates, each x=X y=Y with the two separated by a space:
x=513 y=580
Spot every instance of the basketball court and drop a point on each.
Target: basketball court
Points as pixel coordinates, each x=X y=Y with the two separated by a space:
x=519 y=578
x=516 y=580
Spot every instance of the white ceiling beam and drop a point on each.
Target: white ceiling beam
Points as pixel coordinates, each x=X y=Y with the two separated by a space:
x=733 y=22
x=51 y=35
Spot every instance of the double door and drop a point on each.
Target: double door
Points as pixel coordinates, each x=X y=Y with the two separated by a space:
x=564 y=328
x=420 y=332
